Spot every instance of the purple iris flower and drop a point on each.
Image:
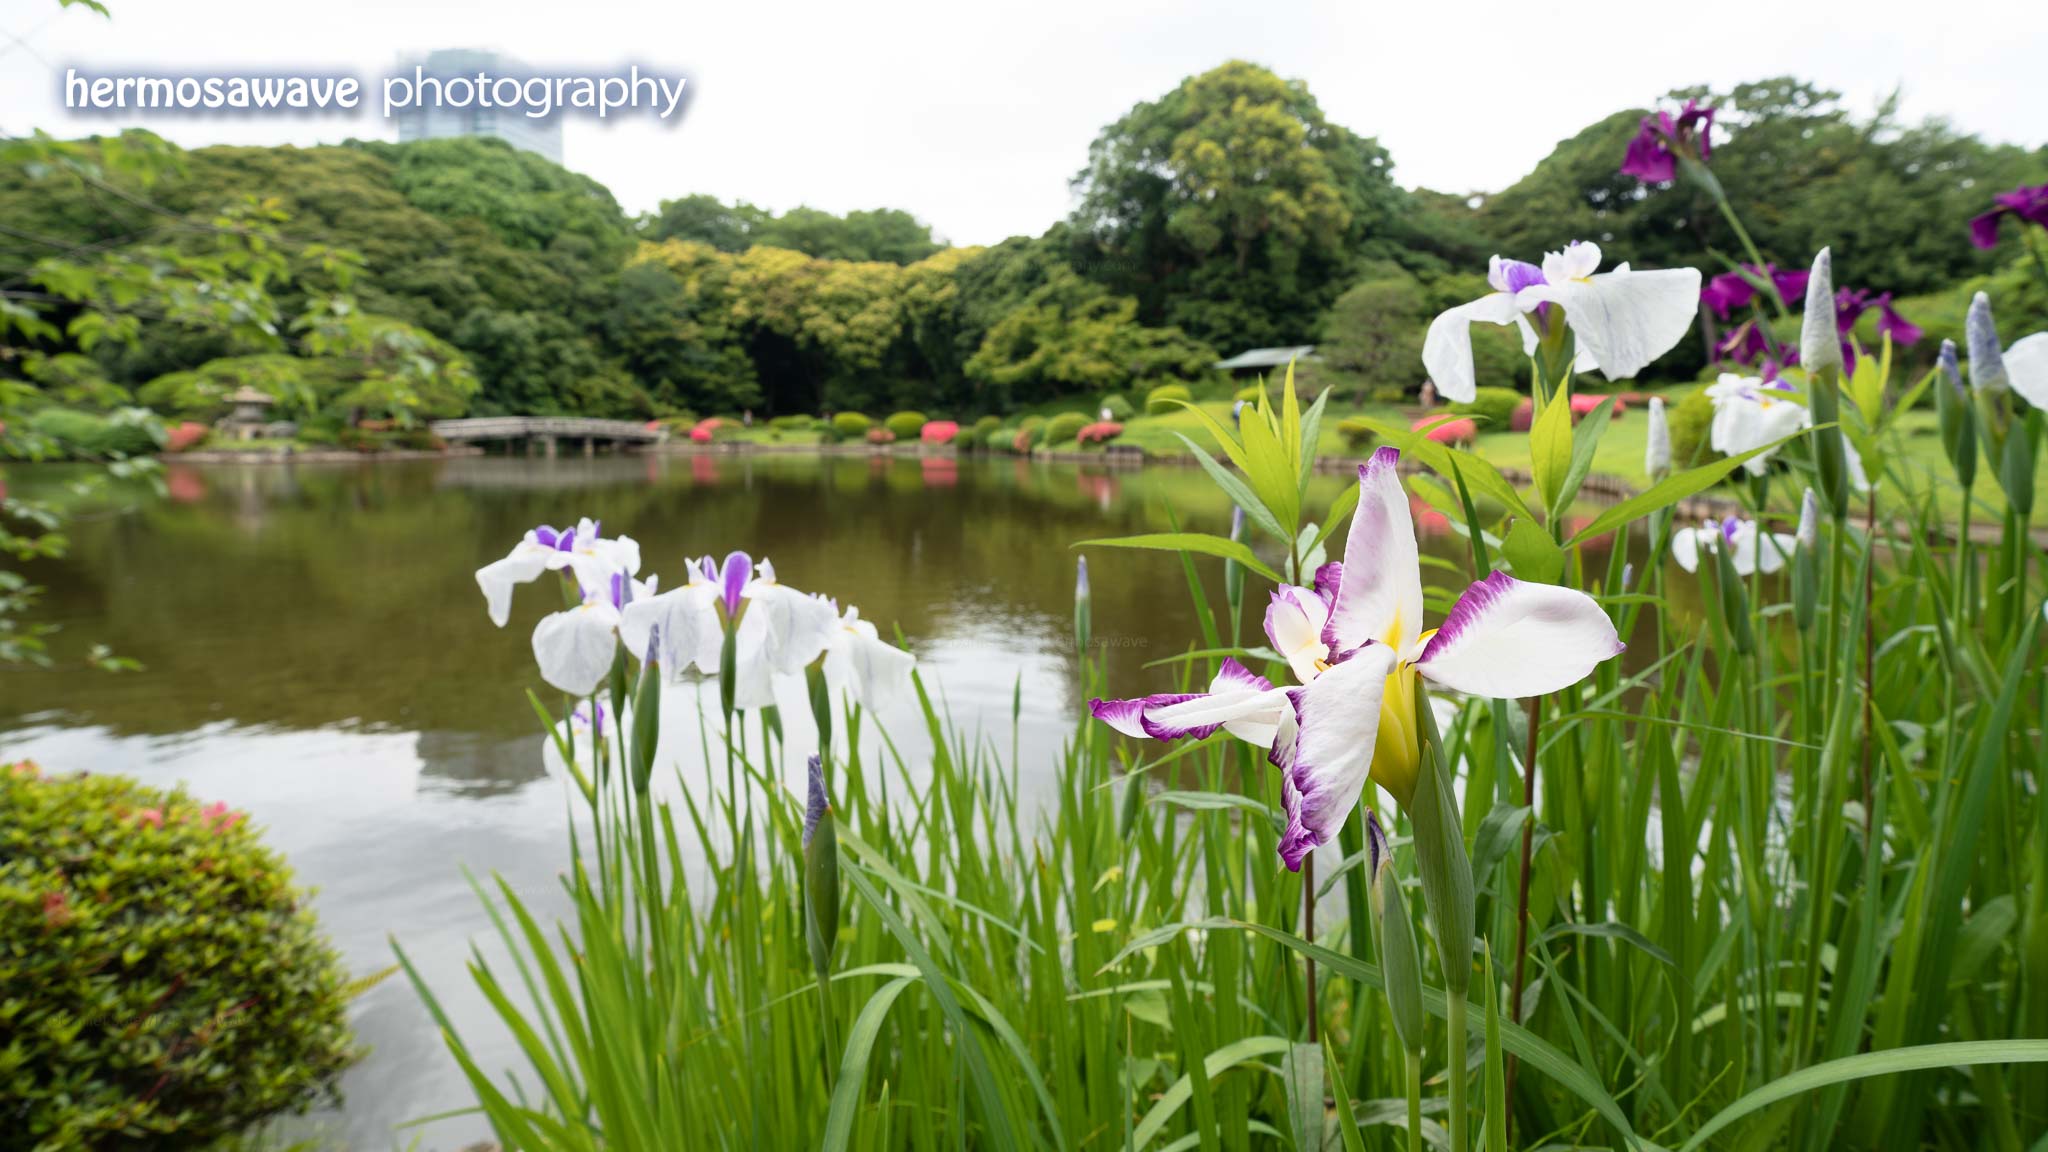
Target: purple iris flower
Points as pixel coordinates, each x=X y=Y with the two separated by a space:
x=1890 y=323
x=547 y=537
x=1731 y=290
x=2028 y=203
x=1653 y=152
x=732 y=577
x=1744 y=344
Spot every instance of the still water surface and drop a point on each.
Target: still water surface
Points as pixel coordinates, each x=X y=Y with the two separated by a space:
x=317 y=653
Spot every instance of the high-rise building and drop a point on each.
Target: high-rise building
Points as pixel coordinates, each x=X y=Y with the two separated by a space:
x=435 y=121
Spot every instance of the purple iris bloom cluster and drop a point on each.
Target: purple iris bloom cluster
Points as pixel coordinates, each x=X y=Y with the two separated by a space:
x=1746 y=342
x=1654 y=152
x=2029 y=204
x=1731 y=290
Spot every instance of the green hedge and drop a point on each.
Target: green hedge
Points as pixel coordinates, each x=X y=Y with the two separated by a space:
x=906 y=425
x=1495 y=408
x=850 y=426
x=1689 y=421
x=1060 y=430
x=1118 y=407
x=166 y=986
x=793 y=423
x=1160 y=400
x=91 y=436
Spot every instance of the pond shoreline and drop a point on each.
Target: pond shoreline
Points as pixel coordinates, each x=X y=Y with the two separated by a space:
x=1602 y=487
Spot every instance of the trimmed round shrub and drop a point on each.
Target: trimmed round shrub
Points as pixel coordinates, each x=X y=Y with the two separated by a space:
x=1160 y=400
x=186 y=436
x=793 y=423
x=1118 y=407
x=1022 y=440
x=906 y=425
x=881 y=436
x=1388 y=394
x=165 y=985
x=1100 y=432
x=850 y=425
x=1357 y=436
x=1493 y=408
x=939 y=432
x=1062 y=429
x=1249 y=393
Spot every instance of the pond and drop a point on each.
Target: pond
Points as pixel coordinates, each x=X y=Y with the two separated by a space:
x=317 y=652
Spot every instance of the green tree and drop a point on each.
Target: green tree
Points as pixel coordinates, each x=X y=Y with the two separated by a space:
x=1230 y=206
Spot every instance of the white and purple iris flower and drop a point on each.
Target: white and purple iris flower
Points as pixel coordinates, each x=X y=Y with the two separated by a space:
x=1622 y=319
x=1750 y=548
x=1356 y=643
x=779 y=631
x=576 y=646
x=583 y=551
x=1751 y=412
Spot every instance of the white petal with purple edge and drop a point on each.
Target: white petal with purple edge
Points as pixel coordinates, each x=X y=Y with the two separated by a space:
x=1338 y=722
x=1507 y=639
x=1244 y=703
x=1380 y=595
x=691 y=634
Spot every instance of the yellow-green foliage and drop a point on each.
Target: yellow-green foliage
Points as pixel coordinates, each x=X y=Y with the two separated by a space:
x=906 y=425
x=1357 y=436
x=1060 y=430
x=162 y=983
x=1689 y=420
x=1160 y=400
x=850 y=425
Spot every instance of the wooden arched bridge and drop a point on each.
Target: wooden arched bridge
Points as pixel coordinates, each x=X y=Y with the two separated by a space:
x=546 y=433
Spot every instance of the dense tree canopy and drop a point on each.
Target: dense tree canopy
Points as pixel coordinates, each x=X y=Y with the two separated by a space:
x=1229 y=213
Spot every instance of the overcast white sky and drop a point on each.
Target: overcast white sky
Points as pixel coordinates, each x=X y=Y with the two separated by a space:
x=973 y=114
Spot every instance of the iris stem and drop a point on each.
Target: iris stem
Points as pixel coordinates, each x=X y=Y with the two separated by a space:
x=1456 y=1020
x=1535 y=705
x=1414 y=1101
x=1748 y=246
x=1308 y=933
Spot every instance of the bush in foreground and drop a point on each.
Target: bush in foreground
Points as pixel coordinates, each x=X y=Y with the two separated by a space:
x=163 y=984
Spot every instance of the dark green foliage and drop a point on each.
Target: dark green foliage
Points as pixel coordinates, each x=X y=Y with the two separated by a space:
x=164 y=985
x=1894 y=200
x=885 y=234
x=1494 y=406
x=1060 y=430
x=906 y=425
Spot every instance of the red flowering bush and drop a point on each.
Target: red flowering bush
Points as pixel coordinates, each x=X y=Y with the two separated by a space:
x=939 y=432
x=880 y=435
x=1100 y=432
x=186 y=436
x=1460 y=431
x=165 y=985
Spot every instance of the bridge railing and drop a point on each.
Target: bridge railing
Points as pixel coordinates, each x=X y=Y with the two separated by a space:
x=528 y=427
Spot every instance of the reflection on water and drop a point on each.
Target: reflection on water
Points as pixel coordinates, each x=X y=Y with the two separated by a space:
x=317 y=652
